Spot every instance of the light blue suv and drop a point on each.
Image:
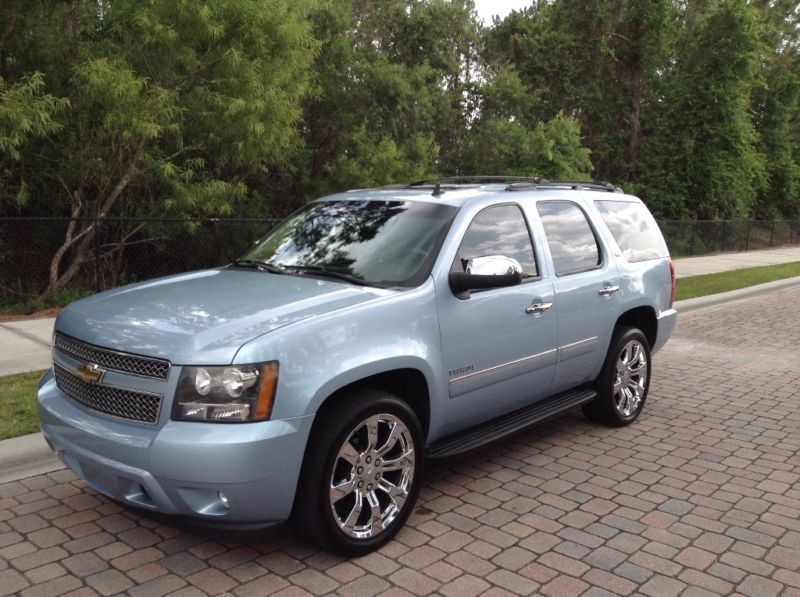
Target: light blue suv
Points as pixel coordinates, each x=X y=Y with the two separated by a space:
x=312 y=378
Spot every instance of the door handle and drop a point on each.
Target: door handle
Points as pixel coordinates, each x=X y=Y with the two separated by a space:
x=538 y=308
x=607 y=290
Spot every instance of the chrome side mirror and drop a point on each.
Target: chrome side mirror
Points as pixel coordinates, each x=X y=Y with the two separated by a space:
x=493 y=265
x=480 y=273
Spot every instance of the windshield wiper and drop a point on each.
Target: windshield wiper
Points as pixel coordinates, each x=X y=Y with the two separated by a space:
x=325 y=272
x=260 y=265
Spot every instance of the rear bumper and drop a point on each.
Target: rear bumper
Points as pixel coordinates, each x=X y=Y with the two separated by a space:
x=666 y=325
x=180 y=467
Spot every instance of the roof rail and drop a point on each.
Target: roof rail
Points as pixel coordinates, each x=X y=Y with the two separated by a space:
x=474 y=179
x=448 y=183
x=514 y=183
x=597 y=185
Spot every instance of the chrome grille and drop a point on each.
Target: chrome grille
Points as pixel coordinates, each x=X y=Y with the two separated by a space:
x=118 y=402
x=111 y=359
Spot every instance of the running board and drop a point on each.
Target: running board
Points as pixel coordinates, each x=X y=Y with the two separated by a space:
x=509 y=424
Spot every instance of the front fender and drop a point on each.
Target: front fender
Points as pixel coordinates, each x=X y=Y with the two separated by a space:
x=323 y=354
x=371 y=368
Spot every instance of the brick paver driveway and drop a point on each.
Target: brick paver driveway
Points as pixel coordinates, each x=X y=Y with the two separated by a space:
x=700 y=495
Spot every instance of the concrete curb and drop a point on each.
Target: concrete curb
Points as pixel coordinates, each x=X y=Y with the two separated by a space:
x=26 y=456
x=712 y=300
x=29 y=455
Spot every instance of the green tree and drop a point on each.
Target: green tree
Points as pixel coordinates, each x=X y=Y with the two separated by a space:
x=387 y=103
x=26 y=113
x=504 y=138
x=173 y=105
x=701 y=148
x=403 y=94
x=776 y=106
x=214 y=107
x=595 y=61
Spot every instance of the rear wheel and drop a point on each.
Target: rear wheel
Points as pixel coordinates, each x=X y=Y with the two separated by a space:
x=623 y=383
x=361 y=475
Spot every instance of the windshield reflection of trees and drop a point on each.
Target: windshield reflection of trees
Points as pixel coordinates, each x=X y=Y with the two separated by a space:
x=327 y=234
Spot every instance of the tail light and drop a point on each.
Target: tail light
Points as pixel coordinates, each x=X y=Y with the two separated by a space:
x=672 y=281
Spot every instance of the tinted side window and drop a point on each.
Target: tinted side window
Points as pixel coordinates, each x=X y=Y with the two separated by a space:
x=573 y=245
x=499 y=230
x=634 y=229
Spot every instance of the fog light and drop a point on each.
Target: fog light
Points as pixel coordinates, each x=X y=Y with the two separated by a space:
x=224 y=500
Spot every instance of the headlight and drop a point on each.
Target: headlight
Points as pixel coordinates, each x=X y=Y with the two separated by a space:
x=230 y=394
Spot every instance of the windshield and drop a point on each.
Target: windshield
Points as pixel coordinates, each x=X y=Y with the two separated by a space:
x=382 y=243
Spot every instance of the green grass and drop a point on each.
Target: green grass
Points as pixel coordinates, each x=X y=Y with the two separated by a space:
x=695 y=286
x=18 y=401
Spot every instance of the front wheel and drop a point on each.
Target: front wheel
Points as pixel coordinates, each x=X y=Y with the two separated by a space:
x=361 y=475
x=623 y=383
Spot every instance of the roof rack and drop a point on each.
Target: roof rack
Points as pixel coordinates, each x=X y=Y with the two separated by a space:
x=595 y=185
x=473 y=179
x=514 y=183
x=449 y=183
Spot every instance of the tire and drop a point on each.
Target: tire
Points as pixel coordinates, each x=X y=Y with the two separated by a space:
x=339 y=453
x=624 y=381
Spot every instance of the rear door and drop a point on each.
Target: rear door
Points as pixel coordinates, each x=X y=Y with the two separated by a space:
x=586 y=285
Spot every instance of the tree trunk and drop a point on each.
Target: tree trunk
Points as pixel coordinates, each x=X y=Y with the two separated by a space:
x=78 y=257
x=6 y=33
x=59 y=281
x=636 y=114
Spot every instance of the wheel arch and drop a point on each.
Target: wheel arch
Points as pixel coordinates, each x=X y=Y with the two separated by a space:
x=643 y=318
x=408 y=383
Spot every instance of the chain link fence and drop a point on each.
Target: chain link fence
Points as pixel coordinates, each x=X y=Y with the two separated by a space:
x=116 y=250
x=122 y=250
x=686 y=238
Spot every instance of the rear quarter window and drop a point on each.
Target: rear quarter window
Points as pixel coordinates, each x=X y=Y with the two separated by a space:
x=634 y=229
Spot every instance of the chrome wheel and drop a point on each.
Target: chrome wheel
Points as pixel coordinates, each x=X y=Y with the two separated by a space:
x=372 y=476
x=630 y=379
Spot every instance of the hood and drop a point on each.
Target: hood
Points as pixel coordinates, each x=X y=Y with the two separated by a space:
x=203 y=317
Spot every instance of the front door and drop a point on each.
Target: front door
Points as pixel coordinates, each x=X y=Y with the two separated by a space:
x=499 y=344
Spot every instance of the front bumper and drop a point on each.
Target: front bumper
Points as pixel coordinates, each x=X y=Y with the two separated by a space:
x=180 y=467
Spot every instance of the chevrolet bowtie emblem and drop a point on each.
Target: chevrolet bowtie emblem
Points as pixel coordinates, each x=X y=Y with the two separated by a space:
x=90 y=373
